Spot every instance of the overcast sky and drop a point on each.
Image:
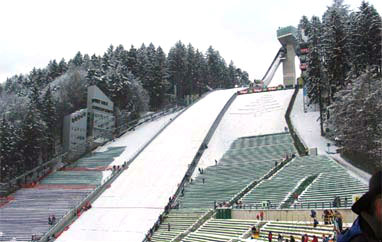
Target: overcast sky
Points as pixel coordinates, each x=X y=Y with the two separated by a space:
x=34 y=32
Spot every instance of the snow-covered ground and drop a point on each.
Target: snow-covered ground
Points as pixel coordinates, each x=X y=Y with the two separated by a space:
x=126 y=210
x=307 y=126
x=135 y=140
x=248 y=115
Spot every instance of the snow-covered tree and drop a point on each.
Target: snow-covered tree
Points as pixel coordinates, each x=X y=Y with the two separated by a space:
x=365 y=30
x=356 y=115
x=334 y=47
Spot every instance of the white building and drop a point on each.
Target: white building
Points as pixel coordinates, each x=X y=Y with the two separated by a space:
x=75 y=130
x=101 y=119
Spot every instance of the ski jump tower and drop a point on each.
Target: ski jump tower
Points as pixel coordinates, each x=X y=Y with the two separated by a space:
x=287 y=38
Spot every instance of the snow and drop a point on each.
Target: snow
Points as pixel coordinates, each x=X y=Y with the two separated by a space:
x=307 y=125
x=249 y=115
x=126 y=210
x=135 y=140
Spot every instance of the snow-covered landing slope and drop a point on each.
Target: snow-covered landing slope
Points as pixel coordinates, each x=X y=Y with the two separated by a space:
x=248 y=115
x=136 y=140
x=130 y=207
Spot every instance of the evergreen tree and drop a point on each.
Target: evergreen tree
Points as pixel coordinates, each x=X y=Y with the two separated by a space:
x=77 y=60
x=177 y=68
x=334 y=42
x=32 y=138
x=365 y=40
x=160 y=84
x=53 y=70
x=232 y=74
x=356 y=115
x=6 y=150
x=62 y=66
x=49 y=115
x=132 y=61
x=315 y=82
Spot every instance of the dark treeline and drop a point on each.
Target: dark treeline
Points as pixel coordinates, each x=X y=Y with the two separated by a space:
x=344 y=76
x=137 y=80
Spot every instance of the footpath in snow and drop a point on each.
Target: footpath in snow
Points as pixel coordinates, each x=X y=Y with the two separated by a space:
x=126 y=210
x=307 y=126
x=249 y=115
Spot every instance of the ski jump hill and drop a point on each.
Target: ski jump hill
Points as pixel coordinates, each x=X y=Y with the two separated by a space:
x=239 y=141
x=169 y=178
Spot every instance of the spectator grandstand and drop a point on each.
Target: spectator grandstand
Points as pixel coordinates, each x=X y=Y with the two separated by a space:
x=332 y=180
x=28 y=212
x=221 y=230
x=248 y=159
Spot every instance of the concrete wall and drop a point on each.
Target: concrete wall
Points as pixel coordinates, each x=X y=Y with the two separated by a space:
x=290 y=215
x=102 y=121
x=289 y=71
x=75 y=129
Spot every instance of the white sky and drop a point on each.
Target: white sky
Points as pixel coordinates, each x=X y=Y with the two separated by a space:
x=34 y=32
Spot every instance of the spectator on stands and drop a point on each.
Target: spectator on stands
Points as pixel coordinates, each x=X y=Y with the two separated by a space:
x=367 y=227
x=338 y=218
x=276 y=163
x=279 y=238
x=303 y=238
x=335 y=201
x=313 y=214
x=168 y=227
x=306 y=238
x=315 y=239
x=216 y=162
x=324 y=238
x=331 y=216
x=292 y=239
x=315 y=222
x=270 y=236
x=203 y=180
x=261 y=215
x=50 y=220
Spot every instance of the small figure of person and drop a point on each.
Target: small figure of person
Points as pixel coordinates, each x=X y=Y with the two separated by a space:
x=270 y=236
x=279 y=238
x=292 y=239
x=314 y=239
x=315 y=222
